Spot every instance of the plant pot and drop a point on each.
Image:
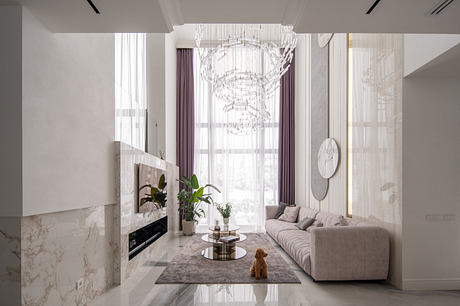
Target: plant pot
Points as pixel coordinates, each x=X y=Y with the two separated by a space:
x=226 y=220
x=188 y=227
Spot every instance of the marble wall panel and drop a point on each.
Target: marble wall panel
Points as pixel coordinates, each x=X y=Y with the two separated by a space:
x=172 y=175
x=58 y=249
x=43 y=256
x=128 y=220
x=10 y=260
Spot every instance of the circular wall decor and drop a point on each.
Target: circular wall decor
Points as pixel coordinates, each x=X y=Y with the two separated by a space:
x=328 y=158
x=324 y=38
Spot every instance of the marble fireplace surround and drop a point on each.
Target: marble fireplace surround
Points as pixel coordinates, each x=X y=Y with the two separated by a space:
x=127 y=220
x=42 y=256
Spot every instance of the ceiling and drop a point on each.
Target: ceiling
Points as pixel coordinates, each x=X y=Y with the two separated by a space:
x=307 y=16
x=446 y=65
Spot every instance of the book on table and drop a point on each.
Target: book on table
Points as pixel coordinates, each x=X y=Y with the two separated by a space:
x=229 y=239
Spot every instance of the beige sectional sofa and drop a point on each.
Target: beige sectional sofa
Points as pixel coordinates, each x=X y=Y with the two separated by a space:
x=342 y=249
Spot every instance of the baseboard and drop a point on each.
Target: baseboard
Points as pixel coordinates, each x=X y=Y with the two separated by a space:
x=431 y=284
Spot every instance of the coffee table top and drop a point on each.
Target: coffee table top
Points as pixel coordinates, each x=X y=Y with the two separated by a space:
x=209 y=239
x=226 y=228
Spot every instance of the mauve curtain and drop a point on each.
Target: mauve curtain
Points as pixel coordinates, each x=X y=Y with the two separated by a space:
x=286 y=142
x=185 y=115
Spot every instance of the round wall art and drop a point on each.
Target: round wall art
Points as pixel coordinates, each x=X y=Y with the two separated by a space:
x=328 y=158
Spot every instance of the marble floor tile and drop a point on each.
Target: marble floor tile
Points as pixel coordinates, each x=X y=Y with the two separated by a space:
x=141 y=290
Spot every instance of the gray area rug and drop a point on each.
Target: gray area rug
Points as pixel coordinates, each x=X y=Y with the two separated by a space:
x=189 y=267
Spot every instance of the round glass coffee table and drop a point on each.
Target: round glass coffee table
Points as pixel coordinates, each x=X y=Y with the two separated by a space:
x=221 y=249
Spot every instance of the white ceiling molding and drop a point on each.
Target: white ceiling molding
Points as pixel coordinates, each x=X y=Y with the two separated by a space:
x=172 y=13
x=294 y=12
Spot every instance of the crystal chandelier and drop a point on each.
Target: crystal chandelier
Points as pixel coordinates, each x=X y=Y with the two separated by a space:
x=244 y=64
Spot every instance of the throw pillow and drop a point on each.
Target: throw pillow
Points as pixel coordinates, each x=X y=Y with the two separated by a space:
x=290 y=214
x=342 y=221
x=306 y=222
x=281 y=208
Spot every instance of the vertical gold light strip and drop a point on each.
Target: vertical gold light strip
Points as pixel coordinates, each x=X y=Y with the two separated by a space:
x=349 y=128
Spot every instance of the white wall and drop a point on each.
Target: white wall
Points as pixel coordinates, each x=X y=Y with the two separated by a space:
x=170 y=97
x=68 y=119
x=431 y=182
x=161 y=95
x=336 y=198
x=420 y=49
x=67 y=110
x=10 y=111
x=156 y=93
x=302 y=118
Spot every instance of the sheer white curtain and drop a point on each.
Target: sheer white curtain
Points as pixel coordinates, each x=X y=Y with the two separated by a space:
x=130 y=89
x=244 y=167
x=375 y=125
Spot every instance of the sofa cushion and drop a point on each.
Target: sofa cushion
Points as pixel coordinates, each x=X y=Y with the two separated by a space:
x=298 y=245
x=307 y=212
x=274 y=227
x=343 y=221
x=329 y=219
x=314 y=225
x=306 y=222
x=290 y=214
x=281 y=208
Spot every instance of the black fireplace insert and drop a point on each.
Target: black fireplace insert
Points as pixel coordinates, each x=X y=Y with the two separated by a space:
x=145 y=236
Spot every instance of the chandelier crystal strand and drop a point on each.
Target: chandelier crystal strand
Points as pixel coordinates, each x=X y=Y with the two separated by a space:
x=244 y=87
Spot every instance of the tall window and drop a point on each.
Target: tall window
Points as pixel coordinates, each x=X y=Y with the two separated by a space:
x=130 y=89
x=245 y=167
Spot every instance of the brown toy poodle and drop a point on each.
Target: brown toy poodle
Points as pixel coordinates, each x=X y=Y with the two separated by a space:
x=259 y=266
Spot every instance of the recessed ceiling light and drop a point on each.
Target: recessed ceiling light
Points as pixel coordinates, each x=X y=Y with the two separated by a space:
x=372 y=7
x=441 y=6
x=93 y=6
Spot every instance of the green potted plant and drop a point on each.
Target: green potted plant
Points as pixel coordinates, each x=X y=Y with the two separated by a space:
x=156 y=194
x=225 y=210
x=190 y=199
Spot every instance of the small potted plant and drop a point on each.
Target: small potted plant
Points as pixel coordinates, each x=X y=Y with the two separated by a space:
x=190 y=199
x=156 y=194
x=225 y=210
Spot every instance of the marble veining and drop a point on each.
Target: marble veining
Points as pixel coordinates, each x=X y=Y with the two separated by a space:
x=127 y=158
x=58 y=249
x=10 y=260
x=43 y=256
